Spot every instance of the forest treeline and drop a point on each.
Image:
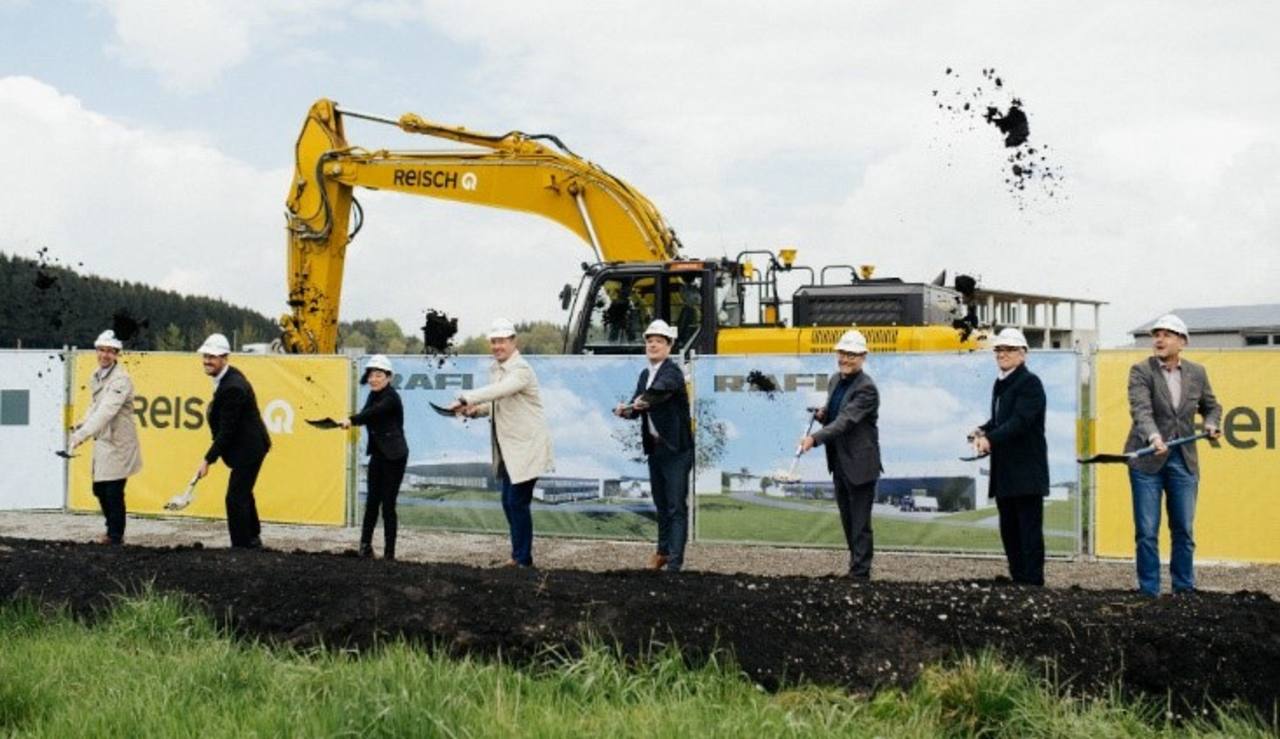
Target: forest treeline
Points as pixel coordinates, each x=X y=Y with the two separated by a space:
x=47 y=305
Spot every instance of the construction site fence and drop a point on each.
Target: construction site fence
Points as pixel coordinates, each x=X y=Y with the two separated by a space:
x=749 y=414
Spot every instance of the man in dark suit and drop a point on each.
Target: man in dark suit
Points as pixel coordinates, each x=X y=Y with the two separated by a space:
x=1014 y=437
x=1165 y=392
x=239 y=439
x=661 y=402
x=852 y=442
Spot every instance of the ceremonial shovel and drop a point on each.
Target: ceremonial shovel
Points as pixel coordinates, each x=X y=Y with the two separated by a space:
x=324 y=423
x=1145 y=451
x=790 y=474
x=185 y=498
x=442 y=410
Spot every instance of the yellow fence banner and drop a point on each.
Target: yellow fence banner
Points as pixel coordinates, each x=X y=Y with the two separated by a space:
x=304 y=477
x=1238 y=505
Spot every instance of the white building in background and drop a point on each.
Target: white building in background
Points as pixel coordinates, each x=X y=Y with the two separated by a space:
x=1225 y=327
x=1047 y=321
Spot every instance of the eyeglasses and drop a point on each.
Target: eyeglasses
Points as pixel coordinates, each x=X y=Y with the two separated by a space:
x=1005 y=349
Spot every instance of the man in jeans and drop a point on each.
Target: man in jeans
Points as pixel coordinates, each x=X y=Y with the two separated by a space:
x=1165 y=393
x=520 y=440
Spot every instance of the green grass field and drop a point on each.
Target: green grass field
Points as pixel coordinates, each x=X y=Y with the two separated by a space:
x=729 y=519
x=156 y=667
x=721 y=518
x=547 y=520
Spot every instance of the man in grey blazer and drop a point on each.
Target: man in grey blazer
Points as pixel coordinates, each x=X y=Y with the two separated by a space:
x=1165 y=393
x=852 y=440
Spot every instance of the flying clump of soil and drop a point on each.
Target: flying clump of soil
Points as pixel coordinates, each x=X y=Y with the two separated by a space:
x=437 y=335
x=126 y=326
x=763 y=383
x=1028 y=170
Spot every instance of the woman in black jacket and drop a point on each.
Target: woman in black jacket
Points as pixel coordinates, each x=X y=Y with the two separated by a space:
x=388 y=453
x=1014 y=437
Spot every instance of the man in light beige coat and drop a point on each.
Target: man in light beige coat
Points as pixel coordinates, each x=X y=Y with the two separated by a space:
x=109 y=422
x=519 y=436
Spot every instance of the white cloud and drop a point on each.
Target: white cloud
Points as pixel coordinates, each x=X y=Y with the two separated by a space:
x=190 y=44
x=137 y=204
x=805 y=124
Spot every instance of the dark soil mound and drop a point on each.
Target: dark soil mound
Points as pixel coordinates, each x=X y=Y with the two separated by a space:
x=834 y=631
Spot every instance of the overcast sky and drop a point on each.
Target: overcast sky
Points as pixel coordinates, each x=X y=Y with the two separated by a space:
x=153 y=141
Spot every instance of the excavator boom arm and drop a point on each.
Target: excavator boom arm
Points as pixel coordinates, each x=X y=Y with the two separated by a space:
x=512 y=171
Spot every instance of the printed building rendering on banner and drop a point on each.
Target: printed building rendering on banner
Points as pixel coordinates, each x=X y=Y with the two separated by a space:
x=304 y=477
x=599 y=487
x=32 y=390
x=1237 y=511
x=753 y=411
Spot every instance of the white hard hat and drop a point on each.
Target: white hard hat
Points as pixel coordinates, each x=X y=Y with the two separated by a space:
x=502 y=328
x=1010 y=337
x=216 y=344
x=853 y=342
x=379 y=362
x=108 y=339
x=1170 y=322
x=661 y=328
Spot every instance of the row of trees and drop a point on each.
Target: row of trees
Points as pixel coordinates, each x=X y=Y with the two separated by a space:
x=49 y=306
x=44 y=305
x=384 y=336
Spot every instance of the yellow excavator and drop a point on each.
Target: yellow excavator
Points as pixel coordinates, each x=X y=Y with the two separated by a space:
x=719 y=306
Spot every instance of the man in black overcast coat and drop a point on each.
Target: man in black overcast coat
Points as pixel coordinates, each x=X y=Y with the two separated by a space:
x=1014 y=437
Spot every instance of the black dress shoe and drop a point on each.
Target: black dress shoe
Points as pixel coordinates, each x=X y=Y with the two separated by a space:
x=366 y=550
x=254 y=543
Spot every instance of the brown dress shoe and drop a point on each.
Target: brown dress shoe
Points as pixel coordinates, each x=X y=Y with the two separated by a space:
x=104 y=539
x=657 y=561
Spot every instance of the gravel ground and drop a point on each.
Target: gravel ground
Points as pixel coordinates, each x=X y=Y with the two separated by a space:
x=596 y=555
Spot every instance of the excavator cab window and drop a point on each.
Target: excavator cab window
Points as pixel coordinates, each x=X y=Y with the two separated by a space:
x=623 y=306
x=684 y=302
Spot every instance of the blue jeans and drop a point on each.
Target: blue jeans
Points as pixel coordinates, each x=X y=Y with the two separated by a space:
x=669 y=484
x=1179 y=487
x=516 y=498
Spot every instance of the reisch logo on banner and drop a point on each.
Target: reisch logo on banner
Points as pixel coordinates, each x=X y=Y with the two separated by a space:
x=278 y=417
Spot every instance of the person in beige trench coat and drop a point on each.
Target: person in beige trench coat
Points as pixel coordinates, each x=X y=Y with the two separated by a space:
x=519 y=437
x=109 y=422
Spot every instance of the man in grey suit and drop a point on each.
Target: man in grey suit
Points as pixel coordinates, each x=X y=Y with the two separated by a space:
x=1165 y=392
x=853 y=447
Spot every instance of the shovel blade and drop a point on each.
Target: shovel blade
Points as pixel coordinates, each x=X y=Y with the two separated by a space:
x=442 y=410
x=323 y=423
x=178 y=502
x=1105 y=459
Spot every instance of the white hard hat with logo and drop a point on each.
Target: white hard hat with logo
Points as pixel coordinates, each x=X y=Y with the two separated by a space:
x=661 y=328
x=1170 y=322
x=852 y=342
x=1010 y=337
x=216 y=345
x=108 y=339
x=502 y=328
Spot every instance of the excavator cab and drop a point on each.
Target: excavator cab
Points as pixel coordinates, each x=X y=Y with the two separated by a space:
x=616 y=302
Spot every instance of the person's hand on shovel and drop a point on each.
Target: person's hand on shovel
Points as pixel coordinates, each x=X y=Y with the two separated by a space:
x=345 y=424
x=202 y=470
x=806 y=443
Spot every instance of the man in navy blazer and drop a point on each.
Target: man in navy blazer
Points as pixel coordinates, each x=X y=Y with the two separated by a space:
x=661 y=402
